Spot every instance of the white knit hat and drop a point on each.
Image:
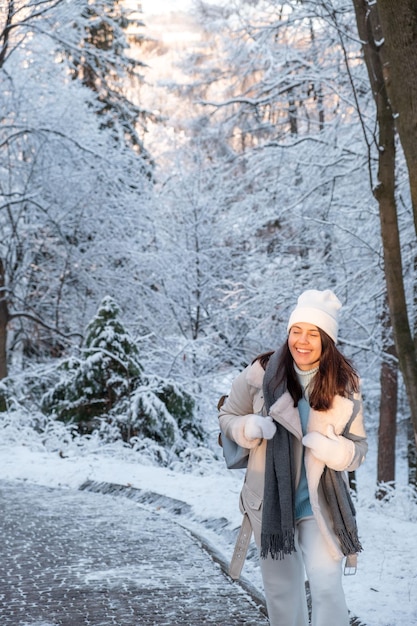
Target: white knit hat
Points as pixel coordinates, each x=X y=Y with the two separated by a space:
x=320 y=308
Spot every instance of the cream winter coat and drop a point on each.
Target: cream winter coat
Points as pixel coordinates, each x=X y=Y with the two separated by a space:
x=345 y=416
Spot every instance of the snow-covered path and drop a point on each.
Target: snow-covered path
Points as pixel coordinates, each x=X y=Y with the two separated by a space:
x=70 y=557
x=382 y=593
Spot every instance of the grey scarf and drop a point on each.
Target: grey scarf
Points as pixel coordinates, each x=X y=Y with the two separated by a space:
x=342 y=510
x=278 y=523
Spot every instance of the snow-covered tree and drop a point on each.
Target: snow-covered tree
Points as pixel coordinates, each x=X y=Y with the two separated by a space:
x=386 y=32
x=73 y=200
x=97 y=47
x=107 y=370
x=106 y=383
x=277 y=123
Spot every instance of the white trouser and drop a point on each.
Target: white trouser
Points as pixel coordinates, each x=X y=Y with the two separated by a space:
x=284 y=582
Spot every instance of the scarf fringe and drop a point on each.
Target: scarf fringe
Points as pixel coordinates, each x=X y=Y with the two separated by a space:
x=277 y=545
x=349 y=541
x=342 y=511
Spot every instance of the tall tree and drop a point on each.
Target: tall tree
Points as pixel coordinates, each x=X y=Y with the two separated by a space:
x=388 y=32
x=69 y=193
x=99 y=55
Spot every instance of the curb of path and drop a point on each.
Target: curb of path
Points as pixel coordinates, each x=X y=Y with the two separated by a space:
x=176 y=509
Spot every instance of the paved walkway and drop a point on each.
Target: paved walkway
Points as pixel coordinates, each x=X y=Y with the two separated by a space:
x=74 y=558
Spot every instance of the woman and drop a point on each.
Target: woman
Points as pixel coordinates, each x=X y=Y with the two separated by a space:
x=299 y=412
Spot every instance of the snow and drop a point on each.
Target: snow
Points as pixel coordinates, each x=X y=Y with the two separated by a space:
x=382 y=593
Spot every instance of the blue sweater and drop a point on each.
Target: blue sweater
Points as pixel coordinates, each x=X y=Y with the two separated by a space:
x=302 y=500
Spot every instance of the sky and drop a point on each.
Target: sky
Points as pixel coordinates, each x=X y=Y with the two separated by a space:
x=382 y=593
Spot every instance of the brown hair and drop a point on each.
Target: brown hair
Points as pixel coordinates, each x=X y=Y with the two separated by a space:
x=336 y=374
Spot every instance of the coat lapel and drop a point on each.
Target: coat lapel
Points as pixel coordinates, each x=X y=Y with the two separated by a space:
x=285 y=413
x=337 y=416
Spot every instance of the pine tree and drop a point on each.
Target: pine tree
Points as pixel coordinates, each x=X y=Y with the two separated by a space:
x=100 y=59
x=106 y=383
x=106 y=371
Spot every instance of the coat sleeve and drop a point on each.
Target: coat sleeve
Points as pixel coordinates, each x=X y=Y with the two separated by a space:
x=355 y=431
x=236 y=410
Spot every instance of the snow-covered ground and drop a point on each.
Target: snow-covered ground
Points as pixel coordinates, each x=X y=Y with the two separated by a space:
x=382 y=593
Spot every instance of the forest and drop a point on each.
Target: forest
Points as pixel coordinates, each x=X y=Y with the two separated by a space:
x=137 y=276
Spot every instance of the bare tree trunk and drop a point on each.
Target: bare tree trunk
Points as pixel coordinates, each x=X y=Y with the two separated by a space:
x=399 y=53
x=412 y=458
x=387 y=414
x=376 y=54
x=387 y=423
x=4 y=319
x=292 y=114
x=5 y=30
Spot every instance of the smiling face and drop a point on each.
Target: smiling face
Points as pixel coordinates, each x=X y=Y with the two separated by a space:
x=304 y=342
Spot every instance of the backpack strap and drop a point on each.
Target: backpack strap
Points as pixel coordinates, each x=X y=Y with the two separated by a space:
x=241 y=548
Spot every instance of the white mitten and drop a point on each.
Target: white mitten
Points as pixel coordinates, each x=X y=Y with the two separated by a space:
x=259 y=427
x=335 y=451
